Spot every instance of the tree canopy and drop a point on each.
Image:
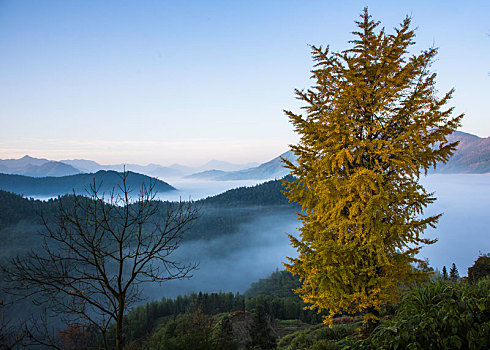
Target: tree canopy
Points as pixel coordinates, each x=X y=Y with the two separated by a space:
x=480 y=269
x=372 y=125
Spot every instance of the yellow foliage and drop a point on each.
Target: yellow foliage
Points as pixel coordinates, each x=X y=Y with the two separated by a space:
x=373 y=124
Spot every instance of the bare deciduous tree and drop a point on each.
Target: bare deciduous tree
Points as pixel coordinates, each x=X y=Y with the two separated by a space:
x=96 y=253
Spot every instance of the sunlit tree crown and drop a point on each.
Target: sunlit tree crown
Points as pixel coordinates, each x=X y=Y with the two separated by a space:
x=373 y=124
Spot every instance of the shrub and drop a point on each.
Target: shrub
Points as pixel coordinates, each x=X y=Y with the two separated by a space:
x=318 y=337
x=190 y=331
x=439 y=315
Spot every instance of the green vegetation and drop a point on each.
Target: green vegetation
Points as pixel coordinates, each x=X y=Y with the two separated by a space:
x=267 y=193
x=278 y=284
x=453 y=273
x=193 y=331
x=260 y=332
x=147 y=325
x=480 y=269
x=319 y=337
x=439 y=315
x=144 y=318
x=445 y=276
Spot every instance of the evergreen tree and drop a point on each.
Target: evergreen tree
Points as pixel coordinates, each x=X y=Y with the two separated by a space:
x=260 y=332
x=453 y=273
x=444 y=273
x=372 y=126
x=223 y=337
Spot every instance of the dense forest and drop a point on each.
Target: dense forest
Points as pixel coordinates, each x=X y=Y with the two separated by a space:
x=267 y=193
x=282 y=304
x=456 y=309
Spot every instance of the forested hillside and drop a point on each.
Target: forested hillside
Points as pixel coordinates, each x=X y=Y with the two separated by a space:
x=15 y=207
x=20 y=224
x=105 y=181
x=220 y=215
x=272 y=295
x=279 y=284
x=267 y=193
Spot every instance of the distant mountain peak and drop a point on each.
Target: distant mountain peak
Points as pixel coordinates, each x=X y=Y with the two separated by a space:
x=222 y=165
x=471 y=156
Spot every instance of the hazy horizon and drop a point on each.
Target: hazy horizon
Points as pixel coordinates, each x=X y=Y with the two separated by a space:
x=195 y=165
x=184 y=162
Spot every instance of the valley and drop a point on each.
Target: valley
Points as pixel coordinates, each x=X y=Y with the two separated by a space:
x=242 y=230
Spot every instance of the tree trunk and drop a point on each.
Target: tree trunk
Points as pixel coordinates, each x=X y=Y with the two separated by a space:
x=104 y=340
x=119 y=324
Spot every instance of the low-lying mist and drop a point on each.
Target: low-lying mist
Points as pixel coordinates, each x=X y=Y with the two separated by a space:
x=250 y=243
x=198 y=189
x=463 y=231
x=233 y=262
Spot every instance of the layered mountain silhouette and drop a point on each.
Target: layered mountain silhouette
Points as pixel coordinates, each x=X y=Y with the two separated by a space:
x=272 y=169
x=40 y=167
x=36 y=167
x=50 y=168
x=472 y=156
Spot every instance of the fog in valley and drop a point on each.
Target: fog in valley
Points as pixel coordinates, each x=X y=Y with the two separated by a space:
x=198 y=189
x=252 y=242
x=464 y=229
x=233 y=262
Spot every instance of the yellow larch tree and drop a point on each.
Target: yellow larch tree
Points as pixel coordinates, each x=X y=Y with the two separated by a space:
x=372 y=126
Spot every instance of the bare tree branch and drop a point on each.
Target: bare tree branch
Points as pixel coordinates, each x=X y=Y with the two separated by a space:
x=96 y=252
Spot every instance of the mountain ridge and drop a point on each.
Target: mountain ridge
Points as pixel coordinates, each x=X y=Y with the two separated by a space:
x=38 y=167
x=471 y=156
x=106 y=180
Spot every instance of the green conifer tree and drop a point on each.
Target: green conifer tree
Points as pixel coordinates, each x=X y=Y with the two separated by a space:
x=453 y=273
x=372 y=125
x=260 y=332
x=223 y=337
x=444 y=273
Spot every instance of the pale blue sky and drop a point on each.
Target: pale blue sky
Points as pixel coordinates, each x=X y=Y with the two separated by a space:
x=190 y=81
